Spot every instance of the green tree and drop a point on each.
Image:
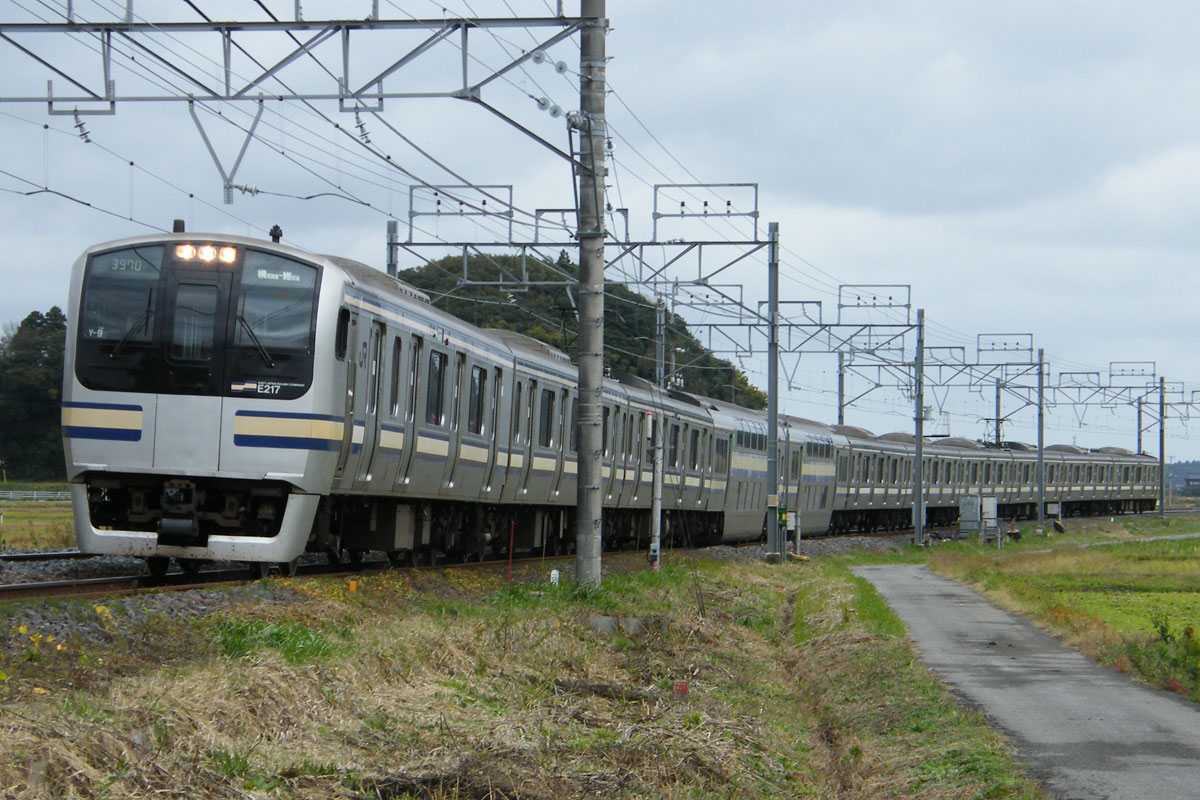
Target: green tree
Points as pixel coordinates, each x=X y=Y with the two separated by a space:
x=31 y=369
x=530 y=304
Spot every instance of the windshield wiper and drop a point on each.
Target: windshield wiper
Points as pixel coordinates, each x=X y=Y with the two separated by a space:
x=137 y=326
x=262 y=351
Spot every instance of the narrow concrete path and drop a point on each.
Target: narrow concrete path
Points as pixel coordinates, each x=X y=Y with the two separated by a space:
x=1086 y=732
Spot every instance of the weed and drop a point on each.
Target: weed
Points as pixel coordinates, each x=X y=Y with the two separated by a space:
x=296 y=642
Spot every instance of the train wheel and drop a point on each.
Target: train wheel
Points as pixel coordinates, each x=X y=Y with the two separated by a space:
x=158 y=566
x=356 y=557
x=401 y=558
x=259 y=570
x=190 y=567
x=334 y=554
x=288 y=568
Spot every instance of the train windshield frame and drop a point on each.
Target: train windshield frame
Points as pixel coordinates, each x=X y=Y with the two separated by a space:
x=155 y=323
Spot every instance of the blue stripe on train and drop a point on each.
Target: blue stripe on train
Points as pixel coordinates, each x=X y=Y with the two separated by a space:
x=107 y=434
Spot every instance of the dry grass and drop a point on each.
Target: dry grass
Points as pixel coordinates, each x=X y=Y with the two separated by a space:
x=451 y=685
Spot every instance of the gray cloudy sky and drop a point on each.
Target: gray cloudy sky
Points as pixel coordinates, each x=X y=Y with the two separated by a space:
x=1025 y=166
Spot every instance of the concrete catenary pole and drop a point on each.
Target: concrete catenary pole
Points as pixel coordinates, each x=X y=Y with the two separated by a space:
x=593 y=131
x=1162 y=447
x=999 y=418
x=1042 y=435
x=841 y=388
x=1139 y=438
x=919 y=436
x=393 y=237
x=660 y=328
x=775 y=535
x=1041 y=464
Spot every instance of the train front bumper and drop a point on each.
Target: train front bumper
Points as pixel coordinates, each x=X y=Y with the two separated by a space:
x=286 y=545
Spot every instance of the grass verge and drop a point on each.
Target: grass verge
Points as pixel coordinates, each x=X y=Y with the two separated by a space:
x=706 y=680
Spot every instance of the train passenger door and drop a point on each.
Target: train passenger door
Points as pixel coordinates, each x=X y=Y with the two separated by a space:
x=493 y=478
x=412 y=396
x=346 y=348
x=193 y=332
x=373 y=379
x=454 y=450
x=514 y=463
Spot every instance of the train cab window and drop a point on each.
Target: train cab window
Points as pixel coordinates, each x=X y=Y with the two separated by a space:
x=195 y=317
x=435 y=396
x=394 y=394
x=546 y=420
x=342 y=340
x=475 y=404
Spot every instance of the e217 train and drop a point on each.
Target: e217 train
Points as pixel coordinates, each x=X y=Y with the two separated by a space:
x=228 y=398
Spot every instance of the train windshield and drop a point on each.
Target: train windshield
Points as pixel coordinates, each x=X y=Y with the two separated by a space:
x=153 y=321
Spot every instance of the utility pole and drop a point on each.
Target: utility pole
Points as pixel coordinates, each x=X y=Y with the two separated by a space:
x=919 y=439
x=660 y=331
x=1041 y=463
x=1139 y=425
x=1162 y=446
x=393 y=239
x=775 y=536
x=592 y=134
x=841 y=388
x=999 y=439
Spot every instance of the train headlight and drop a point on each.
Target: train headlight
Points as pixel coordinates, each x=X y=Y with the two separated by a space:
x=206 y=252
x=185 y=252
x=228 y=255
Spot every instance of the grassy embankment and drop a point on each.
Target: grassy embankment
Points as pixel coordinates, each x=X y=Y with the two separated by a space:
x=799 y=683
x=1133 y=605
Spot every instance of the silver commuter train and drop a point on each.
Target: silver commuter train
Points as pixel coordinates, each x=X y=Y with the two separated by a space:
x=228 y=398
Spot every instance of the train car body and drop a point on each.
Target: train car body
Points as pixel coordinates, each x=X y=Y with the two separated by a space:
x=227 y=398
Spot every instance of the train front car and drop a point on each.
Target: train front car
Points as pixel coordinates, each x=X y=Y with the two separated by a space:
x=190 y=423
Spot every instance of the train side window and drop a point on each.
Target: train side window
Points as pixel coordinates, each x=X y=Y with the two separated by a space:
x=604 y=447
x=516 y=414
x=895 y=468
x=414 y=358
x=528 y=423
x=673 y=446
x=394 y=394
x=574 y=434
x=436 y=395
x=476 y=402
x=342 y=341
x=974 y=472
x=546 y=420
x=695 y=449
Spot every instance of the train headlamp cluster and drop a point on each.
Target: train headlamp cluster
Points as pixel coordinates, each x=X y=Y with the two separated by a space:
x=206 y=253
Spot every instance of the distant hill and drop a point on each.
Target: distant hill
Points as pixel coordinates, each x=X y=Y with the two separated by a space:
x=548 y=313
